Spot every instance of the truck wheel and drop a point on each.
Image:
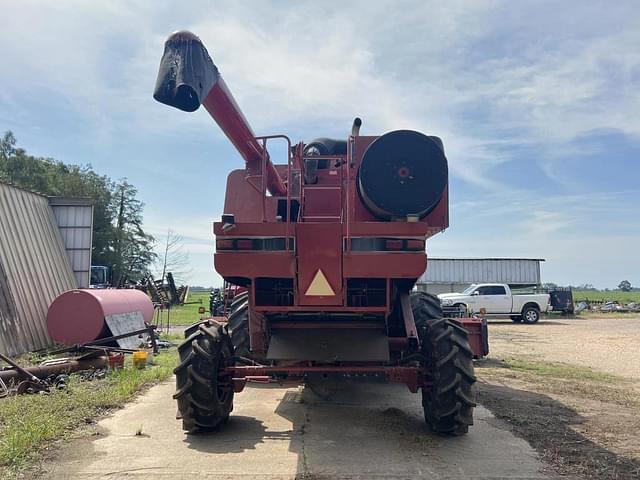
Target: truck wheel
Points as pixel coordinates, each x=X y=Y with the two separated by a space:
x=530 y=314
x=462 y=308
x=239 y=324
x=203 y=391
x=448 y=406
x=516 y=318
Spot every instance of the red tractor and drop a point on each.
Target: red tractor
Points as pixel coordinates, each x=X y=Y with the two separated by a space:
x=329 y=246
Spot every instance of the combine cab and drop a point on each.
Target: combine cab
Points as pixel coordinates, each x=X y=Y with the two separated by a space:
x=328 y=246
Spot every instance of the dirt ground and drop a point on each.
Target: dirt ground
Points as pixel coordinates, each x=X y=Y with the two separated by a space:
x=571 y=388
x=609 y=345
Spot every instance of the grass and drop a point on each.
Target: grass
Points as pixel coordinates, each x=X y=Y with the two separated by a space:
x=599 y=296
x=29 y=423
x=562 y=379
x=557 y=370
x=188 y=314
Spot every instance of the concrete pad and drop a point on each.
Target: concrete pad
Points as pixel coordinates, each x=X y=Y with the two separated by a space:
x=364 y=431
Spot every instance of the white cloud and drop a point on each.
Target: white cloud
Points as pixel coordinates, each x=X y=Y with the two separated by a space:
x=485 y=76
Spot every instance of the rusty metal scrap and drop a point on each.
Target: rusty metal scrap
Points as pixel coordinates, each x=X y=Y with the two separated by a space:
x=164 y=294
x=54 y=367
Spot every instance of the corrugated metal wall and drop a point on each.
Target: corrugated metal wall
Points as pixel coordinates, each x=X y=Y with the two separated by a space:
x=453 y=273
x=34 y=269
x=438 y=288
x=75 y=221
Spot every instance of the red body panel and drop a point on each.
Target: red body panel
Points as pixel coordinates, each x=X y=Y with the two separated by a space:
x=319 y=250
x=396 y=265
x=478 y=335
x=330 y=215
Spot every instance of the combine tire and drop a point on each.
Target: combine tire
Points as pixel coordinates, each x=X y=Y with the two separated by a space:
x=448 y=406
x=530 y=314
x=239 y=324
x=204 y=393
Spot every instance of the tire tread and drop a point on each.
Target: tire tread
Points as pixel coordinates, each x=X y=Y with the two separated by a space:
x=449 y=405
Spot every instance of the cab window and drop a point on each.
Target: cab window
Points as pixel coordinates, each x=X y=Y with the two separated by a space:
x=492 y=290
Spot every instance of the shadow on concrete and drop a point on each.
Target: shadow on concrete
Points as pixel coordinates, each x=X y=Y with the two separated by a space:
x=240 y=433
x=357 y=431
x=549 y=427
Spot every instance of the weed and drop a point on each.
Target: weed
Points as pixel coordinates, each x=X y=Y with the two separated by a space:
x=29 y=422
x=185 y=315
x=558 y=370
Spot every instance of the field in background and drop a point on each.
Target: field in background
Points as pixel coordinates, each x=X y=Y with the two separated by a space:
x=188 y=314
x=599 y=296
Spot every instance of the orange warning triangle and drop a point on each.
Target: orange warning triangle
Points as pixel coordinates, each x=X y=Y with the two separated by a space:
x=319 y=286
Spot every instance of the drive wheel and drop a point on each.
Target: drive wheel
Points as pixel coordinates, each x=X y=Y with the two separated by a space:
x=203 y=391
x=239 y=324
x=530 y=314
x=462 y=308
x=448 y=406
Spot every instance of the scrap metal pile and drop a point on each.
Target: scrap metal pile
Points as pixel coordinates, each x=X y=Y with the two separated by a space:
x=164 y=293
x=608 y=306
x=49 y=374
x=92 y=359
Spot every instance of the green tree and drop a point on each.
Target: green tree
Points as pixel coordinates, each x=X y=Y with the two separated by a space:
x=132 y=247
x=625 y=286
x=118 y=237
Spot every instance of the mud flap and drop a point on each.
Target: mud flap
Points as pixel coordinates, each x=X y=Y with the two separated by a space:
x=329 y=345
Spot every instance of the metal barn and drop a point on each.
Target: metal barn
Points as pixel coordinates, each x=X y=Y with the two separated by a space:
x=74 y=217
x=445 y=275
x=35 y=263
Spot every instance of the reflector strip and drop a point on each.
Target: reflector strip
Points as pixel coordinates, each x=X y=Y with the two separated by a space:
x=244 y=244
x=319 y=286
x=378 y=244
x=393 y=244
x=264 y=244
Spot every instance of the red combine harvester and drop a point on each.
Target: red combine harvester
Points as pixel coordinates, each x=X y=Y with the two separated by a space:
x=329 y=246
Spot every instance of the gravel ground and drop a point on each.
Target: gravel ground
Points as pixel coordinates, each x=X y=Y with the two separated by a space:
x=609 y=345
x=545 y=381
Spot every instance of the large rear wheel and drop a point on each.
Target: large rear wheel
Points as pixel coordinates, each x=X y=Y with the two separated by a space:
x=448 y=405
x=203 y=390
x=239 y=324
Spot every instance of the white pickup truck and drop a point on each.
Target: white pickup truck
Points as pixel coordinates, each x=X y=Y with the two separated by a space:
x=497 y=301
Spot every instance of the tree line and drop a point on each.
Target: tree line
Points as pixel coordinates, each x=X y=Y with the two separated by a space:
x=119 y=240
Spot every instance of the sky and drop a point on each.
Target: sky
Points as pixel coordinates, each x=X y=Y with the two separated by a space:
x=537 y=103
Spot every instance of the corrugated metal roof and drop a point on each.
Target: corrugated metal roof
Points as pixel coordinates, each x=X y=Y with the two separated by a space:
x=34 y=269
x=513 y=271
